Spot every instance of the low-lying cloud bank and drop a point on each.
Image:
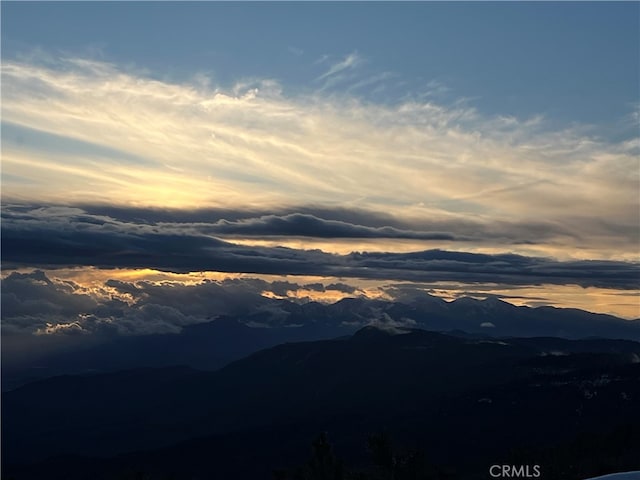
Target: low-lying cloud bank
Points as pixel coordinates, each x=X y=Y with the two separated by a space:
x=52 y=237
x=35 y=303
x=39 y=305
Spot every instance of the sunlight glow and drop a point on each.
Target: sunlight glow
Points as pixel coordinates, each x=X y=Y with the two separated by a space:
x=186 y=146
x=623 y=303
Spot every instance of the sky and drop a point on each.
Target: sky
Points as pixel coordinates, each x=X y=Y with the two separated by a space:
x=489 y=148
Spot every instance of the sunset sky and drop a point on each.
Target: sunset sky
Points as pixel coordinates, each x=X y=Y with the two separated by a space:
x=175 y=151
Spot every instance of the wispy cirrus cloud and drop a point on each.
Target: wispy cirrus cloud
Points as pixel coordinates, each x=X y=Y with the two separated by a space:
x=350 y=61
x=124 y=136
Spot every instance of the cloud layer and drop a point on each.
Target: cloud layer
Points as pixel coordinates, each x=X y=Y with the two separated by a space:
x=39 y=304
x=83 y=131
x=50 y=237
x=33 y=303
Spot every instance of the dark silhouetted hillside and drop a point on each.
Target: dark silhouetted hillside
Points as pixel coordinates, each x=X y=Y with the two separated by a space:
x=465 y=401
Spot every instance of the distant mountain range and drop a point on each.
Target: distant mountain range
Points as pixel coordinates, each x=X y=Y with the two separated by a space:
x=467 y=400
x=215 y=343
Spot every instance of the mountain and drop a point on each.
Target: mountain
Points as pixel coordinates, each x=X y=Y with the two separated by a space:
x=208 y=346
x=215 y=343
x=466 y=401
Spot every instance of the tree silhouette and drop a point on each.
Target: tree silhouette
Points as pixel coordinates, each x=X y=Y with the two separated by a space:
x=323 y=464
x=382 y=453
x=388 y=463
x=393 y=463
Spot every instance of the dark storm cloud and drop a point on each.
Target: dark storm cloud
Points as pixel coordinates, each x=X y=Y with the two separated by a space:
x=70 y=237
x=282 y=288
x=213 y=215
x=341 y=287
x=304 y=225
x=504 y=268
x=333 y=222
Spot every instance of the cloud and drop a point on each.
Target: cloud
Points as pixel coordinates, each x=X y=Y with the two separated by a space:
x=295 y=51
x=34 y=302
x=27 y=295
x=334 y=222
x=440 y=172
x=341 y=287
x=353 y=215
x=377 y=81
x=63 y=237
x=384 y=321
x=282 y=288
x=298 y=224
x=47 y=304
x=43 y=304
x=153 y=318
x=39 y=303
x=259 y=146
x=350 y=61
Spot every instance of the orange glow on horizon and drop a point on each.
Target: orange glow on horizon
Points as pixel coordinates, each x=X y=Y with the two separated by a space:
x=622 y=303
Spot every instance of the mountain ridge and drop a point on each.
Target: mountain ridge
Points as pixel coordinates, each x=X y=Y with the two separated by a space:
x=214 y=343
x=408 y=379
